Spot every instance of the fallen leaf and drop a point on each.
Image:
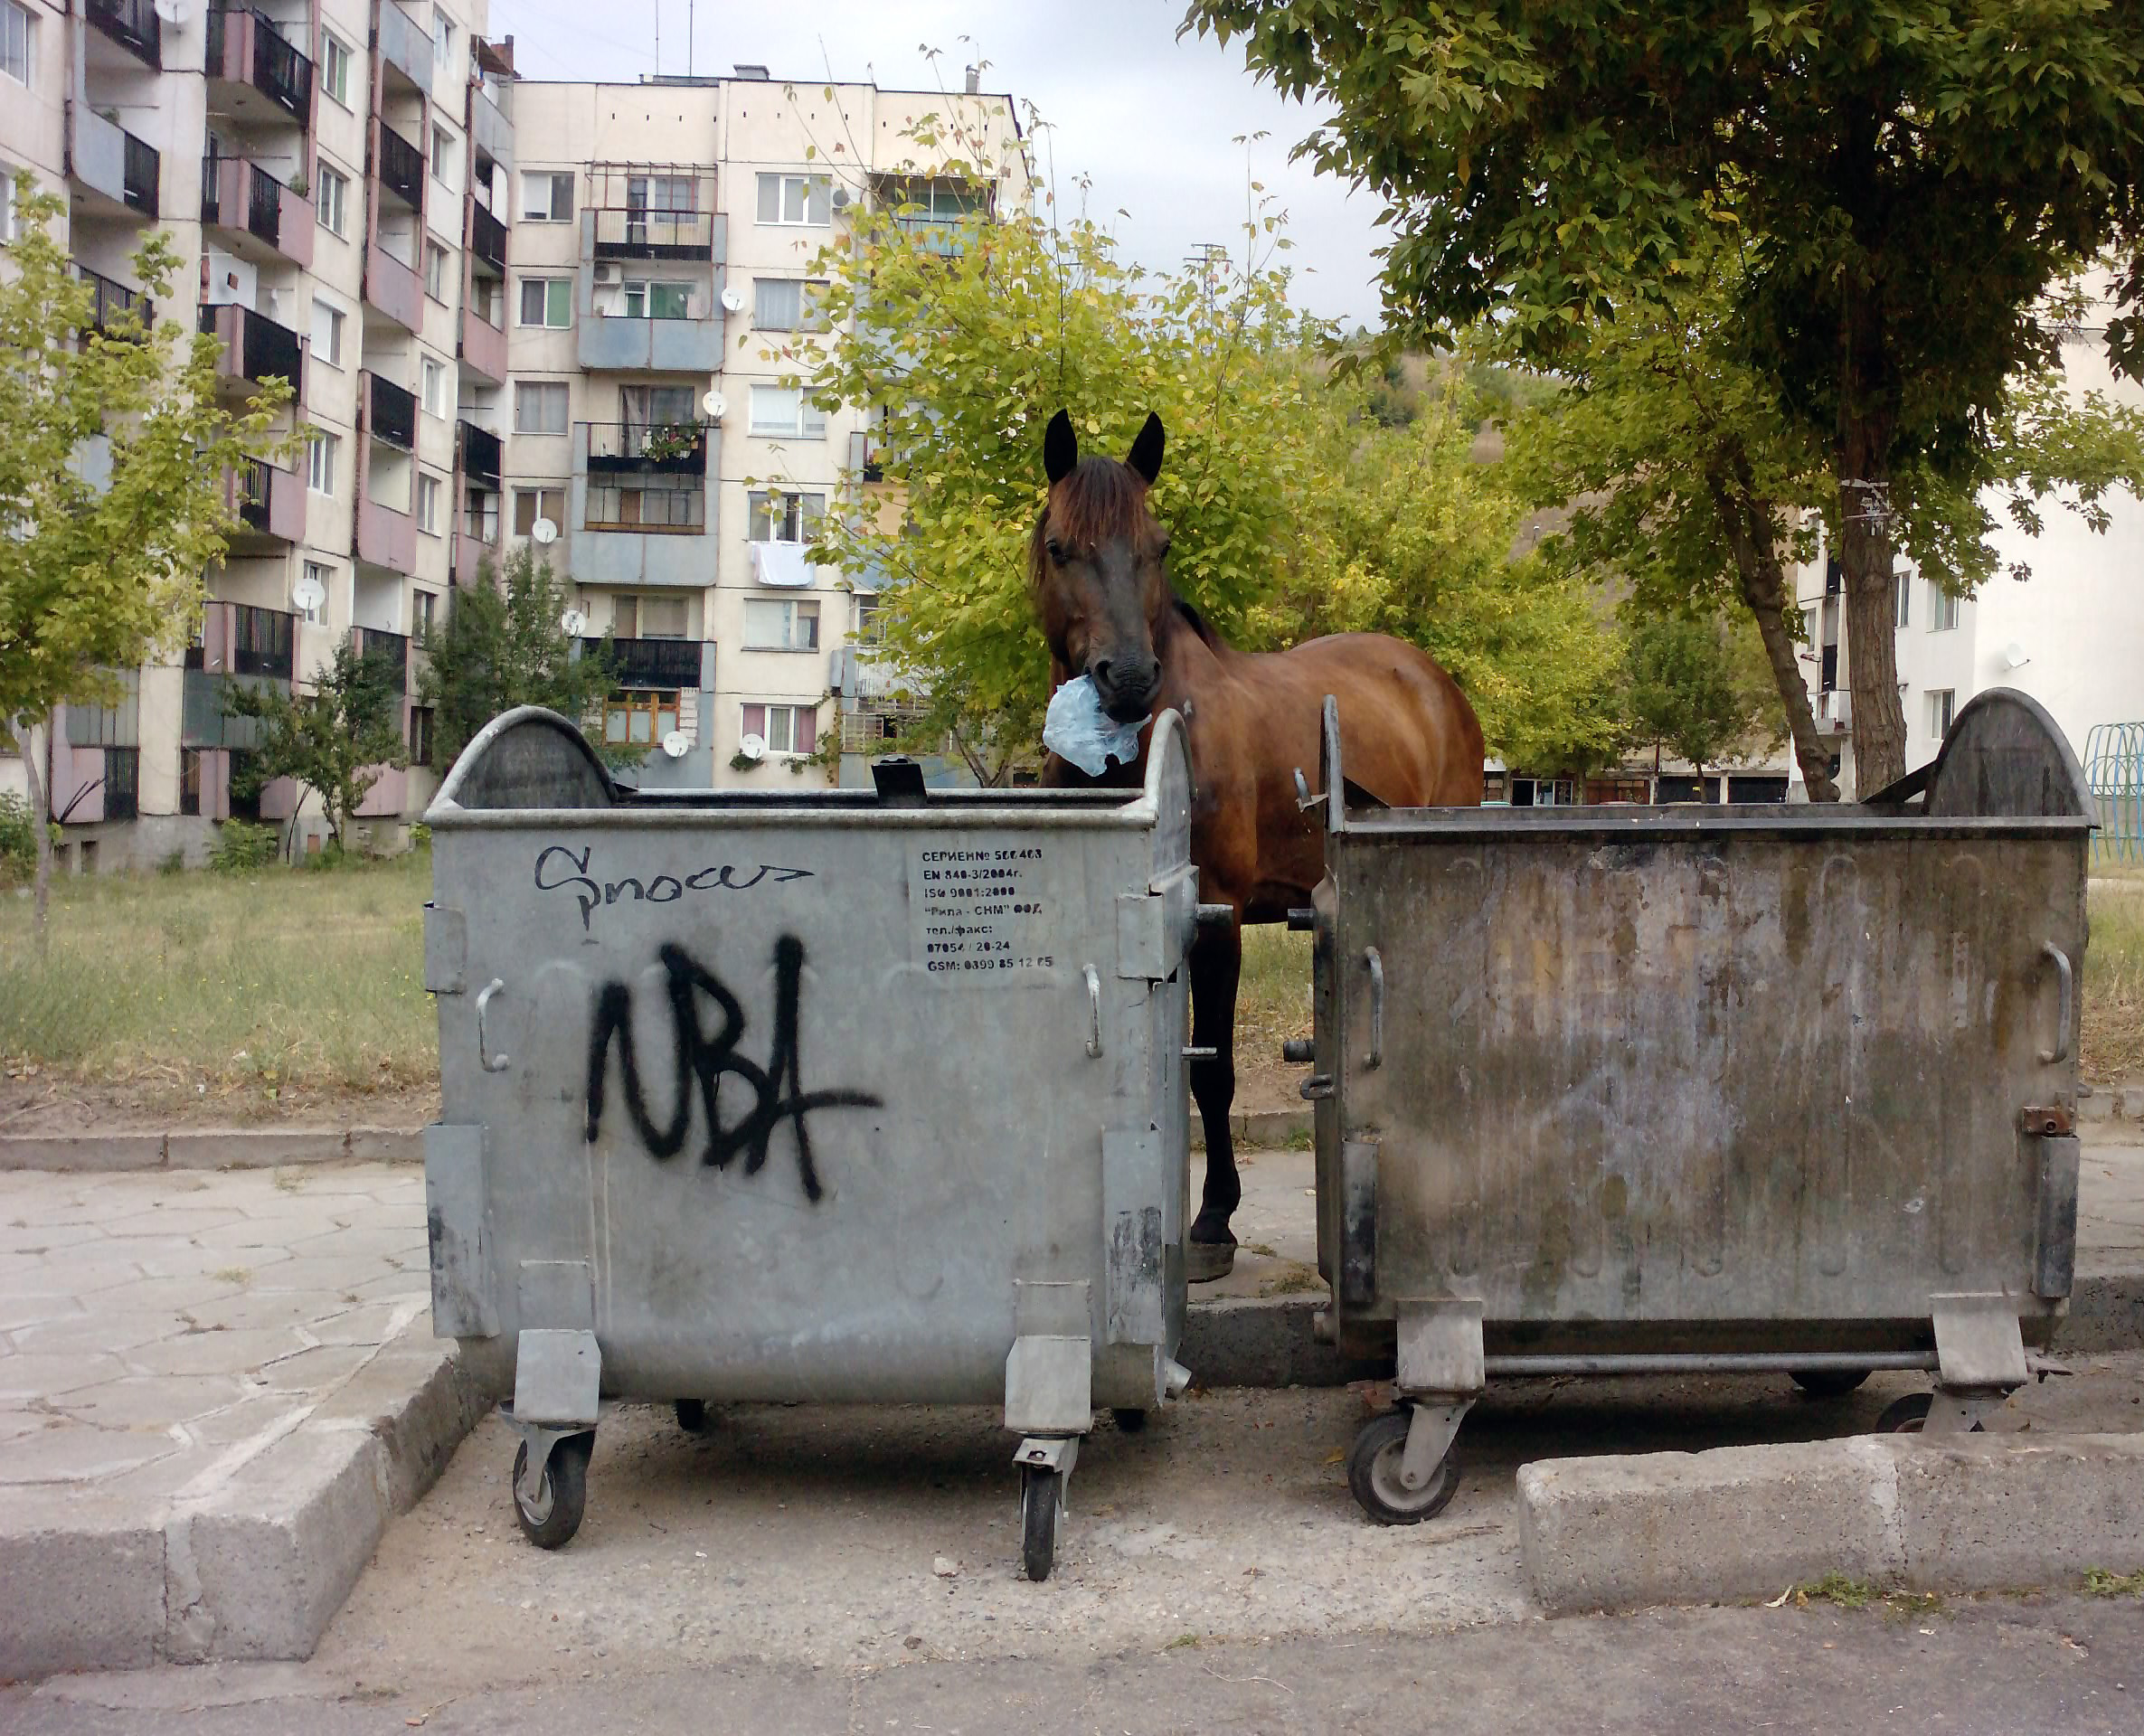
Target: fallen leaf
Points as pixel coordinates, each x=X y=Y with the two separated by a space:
x=1779 y=1602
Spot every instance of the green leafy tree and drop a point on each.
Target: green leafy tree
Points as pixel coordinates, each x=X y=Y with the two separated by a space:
x=1911 y=179
x=1697 y=685
x=338 y=740
x=504 y=644
x=100 y=571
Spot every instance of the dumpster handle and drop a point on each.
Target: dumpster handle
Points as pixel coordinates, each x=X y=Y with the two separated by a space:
x=2065 y=1017
x=1094 y=1007
x=1377 y=1055
x=491 y=1064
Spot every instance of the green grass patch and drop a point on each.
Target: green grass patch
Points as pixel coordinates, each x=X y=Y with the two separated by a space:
x=1839 y=1588
x=1273 y=995
x=2100 y=1583
x=2110 y=1045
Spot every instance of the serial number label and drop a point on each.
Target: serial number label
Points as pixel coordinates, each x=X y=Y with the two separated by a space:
x=985 y=914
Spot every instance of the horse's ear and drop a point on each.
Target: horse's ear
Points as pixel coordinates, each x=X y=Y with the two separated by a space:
x=1146 y=451
x=1060 y=448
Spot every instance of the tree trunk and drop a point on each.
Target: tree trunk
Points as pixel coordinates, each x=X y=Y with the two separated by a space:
x=42 y=835
x=1867 y=418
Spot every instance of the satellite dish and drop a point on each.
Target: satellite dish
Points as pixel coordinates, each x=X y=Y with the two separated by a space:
x=713 y=404
x=574 y=622
x=734 y=299
x=309 y=593
x=677 y=744
x=543 y=531
x=753 y=746
x=841 y=198
x=173 y=12
x=2014 y=655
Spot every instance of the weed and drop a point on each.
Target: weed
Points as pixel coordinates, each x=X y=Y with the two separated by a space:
x=243 y=848
x=289 y=1181
x=238 y=1275
x=1260 y=1248
x=1183 y=1642
x=173 y=866
x=1297 y=1282
x=2100 y=1583
x=2112 y=1015
x=1837 y=1588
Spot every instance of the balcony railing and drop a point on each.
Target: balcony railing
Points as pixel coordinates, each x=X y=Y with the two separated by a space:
x=487 y=239
x=651 y=663
x=401 y=167
x=275 y=68
x=680 y=448
x=393 y=417
x=634 y=232
x=113 y=302
x=479 y=450
x=257 y=347
x=261 y=639
x=131 y=23
x=143 y=174
x=263 y=193
x=391 y=651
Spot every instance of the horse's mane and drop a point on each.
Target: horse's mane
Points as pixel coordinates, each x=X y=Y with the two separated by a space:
x=1102 y=497
x=1198 y=623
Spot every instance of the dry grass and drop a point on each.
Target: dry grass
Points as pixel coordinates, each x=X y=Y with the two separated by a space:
x=2111 y=1041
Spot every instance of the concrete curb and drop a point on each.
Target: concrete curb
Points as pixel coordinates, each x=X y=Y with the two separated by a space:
x=2118 y=1102
x=255 y=1565
x=211 y=1148
x=1266 y=1129
x=1973 y=1514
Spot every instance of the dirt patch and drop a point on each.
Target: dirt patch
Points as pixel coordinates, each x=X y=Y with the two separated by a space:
x=46 y=1100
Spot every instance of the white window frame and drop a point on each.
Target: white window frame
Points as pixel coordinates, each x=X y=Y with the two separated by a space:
x=642 y=289
x=445 y=146
x=551 y=212
x=523 y=388
x=331 y=200
x=793 y=612
x=537 y=493
x=442 y=38
x=434 y=253
x=337 y=318
x=433 y=388
x=808 y=292
x=423 y=610
x=546 y=323
x=429 y=489
x=782 y=181
x=9 y=225
x=322 y=576
x=785 y=742
x=320 y=460
x=808 y=422
x=334 y=54
x=628 y=614
x=1942 y=711
x=793 y=515
x=1942 y=609
x=18 y=44
x=1905 y=597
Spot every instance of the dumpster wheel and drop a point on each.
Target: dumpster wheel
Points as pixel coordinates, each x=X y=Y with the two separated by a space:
x=1041 y=1502
x=1829 y=1383
x=1908 y=1415
x=692 y=1417
x=550 y=1521
x=1374 y=1473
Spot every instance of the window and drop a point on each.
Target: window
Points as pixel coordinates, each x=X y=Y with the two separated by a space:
x=422 y=604
x=783 y=518
x=487 y=300
x=649 y=617
x=785 y=729
x=870 y=626
x=428 y=506
x=785 y=625
x=335 y=68
x=320 y=463
x=658 y=301
x=443 y=147
x=657 y=406
x=796 y=199
x=547 y=198
x=442 y=38
x=661 y=193
x=532 y=504
x=435 y=271
x=189 y=781
x=1808 y=626
x=547 y=301
x=332 y=200
x=18 y=41
x=1906 y=591
x=435 y=388
x=1942 y=702
x=1942 y=610
x=640 y=717
x=322 y=577
x=7 y=217
x=327 y=331
x=421 y=731
x=646 y=503
x=539 y=406
x=779 y=412
x=787 y=305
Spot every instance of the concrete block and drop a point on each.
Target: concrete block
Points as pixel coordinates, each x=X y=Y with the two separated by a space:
x=386 y=1144
x=417 y=1403
x=1622 y=1531
x=258 y=1570
x=85 y=1585
x=253 y=1148
x=1994 y=1511
x=99 y=1152
x=2106 y=1313
x=1242 y=1342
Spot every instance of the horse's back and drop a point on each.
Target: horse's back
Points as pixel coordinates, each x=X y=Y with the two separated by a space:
x=1407 y=734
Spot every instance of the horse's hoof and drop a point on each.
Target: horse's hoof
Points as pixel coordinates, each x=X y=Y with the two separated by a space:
x=1203 y=1261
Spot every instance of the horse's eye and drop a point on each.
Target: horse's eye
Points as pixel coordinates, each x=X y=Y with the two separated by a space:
x=1163 y=549
x=1056 y=549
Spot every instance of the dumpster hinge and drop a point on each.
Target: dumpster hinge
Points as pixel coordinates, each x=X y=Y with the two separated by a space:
x=456 y=1226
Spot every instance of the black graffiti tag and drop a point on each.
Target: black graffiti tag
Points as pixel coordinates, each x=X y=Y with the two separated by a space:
x=702 y=1061
x=568 y=869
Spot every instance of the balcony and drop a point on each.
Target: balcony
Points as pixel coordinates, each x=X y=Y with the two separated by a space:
x=237 y=639
x=393 y=287
x=256 y=72
x=636 y=233
x=627 y=535
x=256 y=348
x=387 y=536
x=664 y=664
x=678 y=451
x=244 y=199
x=390 y=650
x=131 y=23
x=483 y=347
x=392 y=413
x=404 y=45
x=270 y=505
x=477 y=448
x=863 y=458
x=402 y=168
x=487 y=240
x=113 y=308
x=491 y=129
x=476 y=534
x=106 y=160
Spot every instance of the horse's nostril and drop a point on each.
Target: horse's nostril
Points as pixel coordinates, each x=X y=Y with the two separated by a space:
x=1099 y=670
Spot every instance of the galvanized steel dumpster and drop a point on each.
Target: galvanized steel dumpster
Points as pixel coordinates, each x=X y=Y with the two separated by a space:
x=1627 y=1089
x=807 y=1094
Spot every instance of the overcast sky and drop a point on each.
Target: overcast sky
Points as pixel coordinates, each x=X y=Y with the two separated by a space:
x=1149 y=119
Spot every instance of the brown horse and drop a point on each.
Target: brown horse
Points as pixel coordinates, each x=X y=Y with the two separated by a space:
x=1096 y=568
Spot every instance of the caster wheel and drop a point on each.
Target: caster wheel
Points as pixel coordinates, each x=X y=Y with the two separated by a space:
x=693 y=1417
x=1374 y=1474
x=1908 y=1415
x=551 y=1520
x=1041 y=1501
x=1129 y=1421
x=1829 y=1383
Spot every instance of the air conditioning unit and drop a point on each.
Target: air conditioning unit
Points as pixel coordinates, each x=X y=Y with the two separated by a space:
x=606 y=274
x=1835 y=710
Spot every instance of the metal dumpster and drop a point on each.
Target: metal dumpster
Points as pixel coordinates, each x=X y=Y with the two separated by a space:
x=1631 y=1090
x=807 y=1094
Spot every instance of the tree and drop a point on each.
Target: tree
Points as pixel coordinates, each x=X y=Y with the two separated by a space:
x=1697 y=685
x=504 y=645
x=336 y=741
x=1911 y=179
x=100 y=572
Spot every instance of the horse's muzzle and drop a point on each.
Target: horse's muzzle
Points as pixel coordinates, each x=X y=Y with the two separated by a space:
x=1127 y=695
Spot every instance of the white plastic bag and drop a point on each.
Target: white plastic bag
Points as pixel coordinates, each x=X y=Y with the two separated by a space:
x=1077 y=729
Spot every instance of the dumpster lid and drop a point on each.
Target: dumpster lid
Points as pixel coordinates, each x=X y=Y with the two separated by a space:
x=526 y=757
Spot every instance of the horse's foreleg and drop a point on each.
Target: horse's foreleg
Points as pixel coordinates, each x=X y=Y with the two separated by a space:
x=1216 y=962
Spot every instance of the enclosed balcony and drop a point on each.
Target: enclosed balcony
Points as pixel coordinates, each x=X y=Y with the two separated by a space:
x=258 y=214
x=651 y=318
x=390 y=413
x=404 y=46
x=256 y=348
x=488 y=242
x=679 y=448
x=660 y=664
x=116 y=310
x=255 y=72
x=131 y=23
x=477 y=532
x=650 y=211
x=270 y=505
x=642 y=527
x=490 y=127
x=119 y=174
x=478 y=450
x=402 y=168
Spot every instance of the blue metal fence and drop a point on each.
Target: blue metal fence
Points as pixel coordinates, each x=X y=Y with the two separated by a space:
x=2114 y=767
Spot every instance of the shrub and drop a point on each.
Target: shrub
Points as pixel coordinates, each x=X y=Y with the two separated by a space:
x=242 y=848
x=18 y=838
x=173 y=866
